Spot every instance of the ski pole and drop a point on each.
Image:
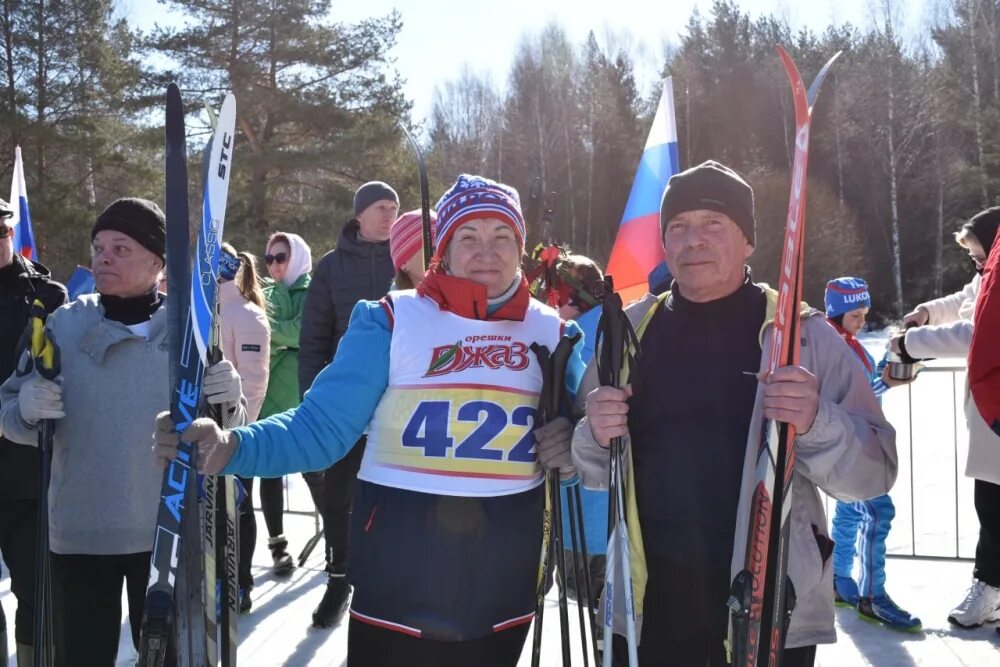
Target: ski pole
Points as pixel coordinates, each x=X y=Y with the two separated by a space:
x=228 y=622
x=616 y=340
x=587 y=579
x=542 y=353
x=46 y=361
x=578 y=572
x=556 y=378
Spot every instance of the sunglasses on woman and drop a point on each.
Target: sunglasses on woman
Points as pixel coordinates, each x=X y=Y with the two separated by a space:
x=280 y=258
x=5 y=231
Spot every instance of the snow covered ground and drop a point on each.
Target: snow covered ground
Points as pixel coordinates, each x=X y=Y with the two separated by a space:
x=277 y=630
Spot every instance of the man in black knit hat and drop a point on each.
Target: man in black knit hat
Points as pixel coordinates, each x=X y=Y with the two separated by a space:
x=104 y=491
x=359 y=268
x=694 y=423
x=21 y=282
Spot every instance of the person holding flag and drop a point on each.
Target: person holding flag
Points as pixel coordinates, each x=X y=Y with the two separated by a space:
x=22 y=281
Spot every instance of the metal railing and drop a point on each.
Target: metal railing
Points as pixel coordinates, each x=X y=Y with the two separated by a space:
x=921 y=419
x=935 y=516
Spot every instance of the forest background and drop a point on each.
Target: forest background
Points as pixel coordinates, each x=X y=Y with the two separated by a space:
x=905 y=144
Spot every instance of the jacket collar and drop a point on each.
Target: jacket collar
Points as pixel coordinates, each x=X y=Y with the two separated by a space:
x=105 y=333
x=350 y=241
x=468 y=299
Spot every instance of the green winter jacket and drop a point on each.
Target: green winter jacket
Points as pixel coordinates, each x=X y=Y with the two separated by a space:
x=284 y=312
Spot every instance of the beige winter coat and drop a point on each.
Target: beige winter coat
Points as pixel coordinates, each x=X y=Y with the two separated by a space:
x=948 y=333
x=849 y=453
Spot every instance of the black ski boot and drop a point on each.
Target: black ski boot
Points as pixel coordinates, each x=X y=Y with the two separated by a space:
x=334 y=603
x=3 y=647
x=283 y=563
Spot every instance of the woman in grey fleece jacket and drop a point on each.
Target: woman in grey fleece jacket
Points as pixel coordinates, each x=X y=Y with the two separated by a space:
x=114 y=379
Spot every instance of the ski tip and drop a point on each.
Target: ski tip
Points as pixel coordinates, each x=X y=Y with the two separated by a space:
x=818 y=81
x=228 y=105
x=790 y=68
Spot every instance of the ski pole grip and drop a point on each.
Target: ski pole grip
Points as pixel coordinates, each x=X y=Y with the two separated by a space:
x=43 y=349
x=545 y=395
x=611 y=332
x=559 y=361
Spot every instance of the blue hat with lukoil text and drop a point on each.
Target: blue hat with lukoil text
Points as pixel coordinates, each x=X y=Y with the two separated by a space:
x=846 y=294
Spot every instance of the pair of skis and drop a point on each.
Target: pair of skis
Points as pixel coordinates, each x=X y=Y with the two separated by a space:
x=762 y=596
x=191 y=311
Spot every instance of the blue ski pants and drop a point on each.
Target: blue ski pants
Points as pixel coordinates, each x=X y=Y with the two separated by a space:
x=860 y=529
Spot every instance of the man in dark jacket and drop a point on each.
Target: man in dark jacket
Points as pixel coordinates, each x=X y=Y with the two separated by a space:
x=21 y=282
x=359 y=268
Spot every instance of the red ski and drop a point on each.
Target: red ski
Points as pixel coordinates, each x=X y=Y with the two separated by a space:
x=762 y=596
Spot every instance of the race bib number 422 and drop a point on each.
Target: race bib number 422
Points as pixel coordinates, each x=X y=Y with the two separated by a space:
x=465 y=432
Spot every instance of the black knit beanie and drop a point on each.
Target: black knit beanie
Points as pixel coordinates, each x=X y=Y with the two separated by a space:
x=714 y=187
x=141 y=219
x=984 y=226
x=371 y=192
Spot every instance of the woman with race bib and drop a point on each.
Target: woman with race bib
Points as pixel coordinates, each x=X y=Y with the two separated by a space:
x=447 y=521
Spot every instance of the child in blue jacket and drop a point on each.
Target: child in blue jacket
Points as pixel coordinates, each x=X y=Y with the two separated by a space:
x=860 y=528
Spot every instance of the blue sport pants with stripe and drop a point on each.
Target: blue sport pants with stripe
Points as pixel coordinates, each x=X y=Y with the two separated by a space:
x=860 y=529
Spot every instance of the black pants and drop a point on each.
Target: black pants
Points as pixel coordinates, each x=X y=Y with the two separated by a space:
x=87 y=605
x=370 y=646
x=685 y=619
x=18 y=540
x=338 y=491
x=272 y=501
x=248 y=535
x=987 y=498
x=272 y=505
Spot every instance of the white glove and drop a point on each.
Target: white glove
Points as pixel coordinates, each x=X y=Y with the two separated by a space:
x=553 y=443
x=222 y=384
x=40 y=399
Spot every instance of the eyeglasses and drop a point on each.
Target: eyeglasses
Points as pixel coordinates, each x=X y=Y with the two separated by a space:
x=5 y=231
x=280 y=258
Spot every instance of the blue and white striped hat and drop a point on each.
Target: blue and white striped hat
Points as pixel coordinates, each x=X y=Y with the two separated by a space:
x=474 y=197
x=846 y=294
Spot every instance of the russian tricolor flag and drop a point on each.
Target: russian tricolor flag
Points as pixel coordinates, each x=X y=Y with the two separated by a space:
x=24 y=238
x=638 y=247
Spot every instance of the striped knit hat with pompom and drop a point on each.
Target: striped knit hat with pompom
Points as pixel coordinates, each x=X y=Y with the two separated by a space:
x=476 y=197
x=406 y=236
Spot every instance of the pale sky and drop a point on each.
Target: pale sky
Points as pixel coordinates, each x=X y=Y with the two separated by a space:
x=438 y=36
